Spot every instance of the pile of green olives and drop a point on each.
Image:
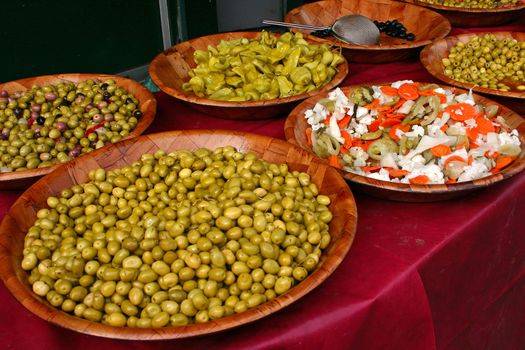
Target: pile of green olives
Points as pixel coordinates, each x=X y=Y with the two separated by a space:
x=56 y=123
x=472 y=4
x=177 y=238
x=262 y=69
x=488 y=62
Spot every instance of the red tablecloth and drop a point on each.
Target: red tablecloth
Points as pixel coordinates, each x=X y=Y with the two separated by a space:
x=447 y=275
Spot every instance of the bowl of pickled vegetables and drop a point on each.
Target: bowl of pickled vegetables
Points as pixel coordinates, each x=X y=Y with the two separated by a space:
x=176 y=234
x=480 y=13
x=51 y=119
x=247 y=75
x=411 y=141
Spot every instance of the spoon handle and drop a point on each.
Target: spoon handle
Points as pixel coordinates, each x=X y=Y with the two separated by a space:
x=293 y=25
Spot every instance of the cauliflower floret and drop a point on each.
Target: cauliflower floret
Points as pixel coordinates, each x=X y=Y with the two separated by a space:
x=432 y=171
x=360 y=156
x=416 y=131
x=505 y=138
x=474 y=171
x=382 y=174
x=397 y=84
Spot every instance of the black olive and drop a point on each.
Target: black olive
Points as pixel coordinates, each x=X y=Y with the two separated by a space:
x=18 y=111
x=402 y=35
x=381 y=27
x=137 y=113
x=40 y=120
x=129 y=100
x=104 y=86
x=106 y=94
x=411 y=37
x=65 y=102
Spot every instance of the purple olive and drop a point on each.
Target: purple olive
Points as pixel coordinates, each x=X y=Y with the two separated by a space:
x=109 y=117
x=4 y=93
x=61 y=126
x=89 y=107
x=102 y=104
x=50 y=96
x=34 y=115
x=75 y=152
x=36 y=107
x=97 y=118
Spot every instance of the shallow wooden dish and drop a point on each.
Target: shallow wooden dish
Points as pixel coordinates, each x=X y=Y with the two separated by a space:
x=432 y=55
x=427 y=25
x=464 y=17
x=17 y=180
x=295 y=132
x=169 y=70
x=22 y=213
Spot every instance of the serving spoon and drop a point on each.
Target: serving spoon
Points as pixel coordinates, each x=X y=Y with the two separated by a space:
x=351 y=29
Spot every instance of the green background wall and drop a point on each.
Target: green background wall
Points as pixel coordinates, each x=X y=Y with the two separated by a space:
x=102 y=36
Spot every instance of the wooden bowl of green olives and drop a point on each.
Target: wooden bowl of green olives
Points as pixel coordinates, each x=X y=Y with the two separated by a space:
x=489 y=63
x=247 y=75
x=487 y=13
x=418 y=27
x=51 y=119
x=176 y=234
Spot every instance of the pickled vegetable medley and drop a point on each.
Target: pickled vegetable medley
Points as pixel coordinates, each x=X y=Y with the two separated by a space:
x=177 y=238
x=411 y=133
x=262 y=69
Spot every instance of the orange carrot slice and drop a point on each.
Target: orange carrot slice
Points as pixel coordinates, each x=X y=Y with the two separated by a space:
x=408 y=91
x=343 y=123
x=472 y=134
x=388 y=90
x=371 y=168
x=397 y=172
x=389 y=122
x=419 y=180
x=373 y=105
x=374 y=125
x=394 y=128
x=502 y=162
x=454 y=159
x=440 y=150
x=461 y=111
x=348 y=139
x=484 y=125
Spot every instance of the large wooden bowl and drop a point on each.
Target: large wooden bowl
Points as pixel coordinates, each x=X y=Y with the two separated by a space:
x=432 y=55
x=295 y=132
x=464 y=17
x=169 y=70
x=427 y=25
x=17 y=180
x=22 y=215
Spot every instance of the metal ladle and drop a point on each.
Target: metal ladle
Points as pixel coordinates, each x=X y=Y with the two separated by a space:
x=352 y=29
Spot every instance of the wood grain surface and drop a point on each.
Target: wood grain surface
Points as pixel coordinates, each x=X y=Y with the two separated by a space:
x=17 y=180
x=295 y=132
x=465 y=17
x=427 y=25
x=432 y=55
x=22 y=214
x=169 y=70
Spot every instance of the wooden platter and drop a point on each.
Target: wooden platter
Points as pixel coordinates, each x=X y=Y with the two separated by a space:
x=427 y=25
x=169 y=70
x=295 y=132
x=22 y=214
x=432 y=55
x=465 y=17
x=148 y=105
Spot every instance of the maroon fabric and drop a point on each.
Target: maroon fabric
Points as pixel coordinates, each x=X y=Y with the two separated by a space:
x=446 y=275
